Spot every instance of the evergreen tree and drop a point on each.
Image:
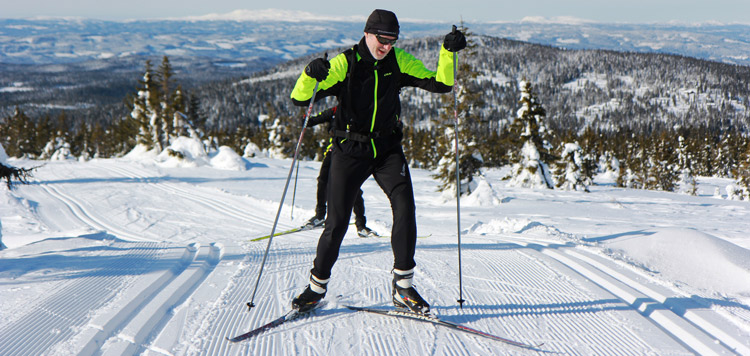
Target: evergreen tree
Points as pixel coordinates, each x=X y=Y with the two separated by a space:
x=574 y=170
x=147 y=111
x=282 y=139
x=742 y=173
x=18 y=135
x=531 y=161
x=196 y=118
x=687 y=183
x=465 y=109
x=158 y=109
x=58 y=146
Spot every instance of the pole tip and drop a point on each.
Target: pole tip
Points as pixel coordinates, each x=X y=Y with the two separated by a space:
x=250 y=305
x=461 y=303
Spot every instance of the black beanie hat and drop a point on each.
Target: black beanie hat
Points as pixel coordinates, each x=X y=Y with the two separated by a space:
x=382 y=22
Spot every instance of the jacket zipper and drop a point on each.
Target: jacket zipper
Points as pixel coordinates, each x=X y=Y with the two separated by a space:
x=374 y=113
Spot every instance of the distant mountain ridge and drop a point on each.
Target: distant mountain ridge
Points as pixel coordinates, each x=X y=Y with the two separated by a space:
x=276 y=35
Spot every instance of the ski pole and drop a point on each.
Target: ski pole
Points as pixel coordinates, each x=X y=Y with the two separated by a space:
x=294 y=191
x=458 y=182
x=251 y=303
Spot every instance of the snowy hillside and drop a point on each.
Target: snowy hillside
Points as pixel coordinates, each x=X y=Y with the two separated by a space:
x=245 y=35
x=131 y=256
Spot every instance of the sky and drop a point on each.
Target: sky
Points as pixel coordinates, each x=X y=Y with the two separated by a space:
x=629 y=11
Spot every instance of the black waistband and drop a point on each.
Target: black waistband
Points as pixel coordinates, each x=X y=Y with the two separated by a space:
x=356 y=136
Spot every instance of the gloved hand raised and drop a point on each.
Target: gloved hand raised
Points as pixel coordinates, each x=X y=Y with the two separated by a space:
x=455 y=40
x=318 y=69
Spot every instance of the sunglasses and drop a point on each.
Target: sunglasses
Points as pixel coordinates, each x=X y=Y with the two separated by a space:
x=385 y=41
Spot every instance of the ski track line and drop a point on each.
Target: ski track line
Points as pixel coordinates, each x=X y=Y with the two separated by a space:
x=208 y=199
x=233 y=317
x=65 y=314
x=529 y=293
x=698 y=328
x=524 y=275
x=81 y=213
x=152 y=316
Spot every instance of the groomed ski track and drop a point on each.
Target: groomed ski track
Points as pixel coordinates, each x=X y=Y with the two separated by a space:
x=162 y=281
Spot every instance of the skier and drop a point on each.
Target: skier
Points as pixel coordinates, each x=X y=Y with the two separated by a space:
x=360 y=221
x=367 y=80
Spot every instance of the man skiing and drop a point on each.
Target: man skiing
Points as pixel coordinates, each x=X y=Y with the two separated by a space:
x=367 y=80
x=360 y=221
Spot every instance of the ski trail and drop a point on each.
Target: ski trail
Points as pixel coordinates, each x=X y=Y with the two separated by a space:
x=65 y=313
x=243 y=209
x=517 y=293
x=82 y=212
x=285 y=271
x=154 y=315
x=689 y=323
x=141 y=219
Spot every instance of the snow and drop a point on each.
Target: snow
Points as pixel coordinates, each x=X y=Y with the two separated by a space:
x=150 y=254
x=3 y=155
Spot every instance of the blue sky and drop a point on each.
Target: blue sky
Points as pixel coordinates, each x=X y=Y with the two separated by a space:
x=632 y=11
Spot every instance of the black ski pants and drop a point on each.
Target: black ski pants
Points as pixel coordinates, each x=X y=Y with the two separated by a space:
x=346 y=176
x=322 y=197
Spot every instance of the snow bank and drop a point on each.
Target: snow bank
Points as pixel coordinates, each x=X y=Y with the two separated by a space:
x=688 y=256
x=187 y=152
x=483 y=195
x=527 y=227
x=184 y=152
x=227 y=159
x=141 y=153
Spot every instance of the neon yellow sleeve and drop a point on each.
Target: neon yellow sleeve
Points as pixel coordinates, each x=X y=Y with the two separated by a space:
x=303 y=89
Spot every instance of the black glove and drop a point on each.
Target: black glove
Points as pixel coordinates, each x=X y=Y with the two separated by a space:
x=322 y=117
x=318 y=69
x=454 y=41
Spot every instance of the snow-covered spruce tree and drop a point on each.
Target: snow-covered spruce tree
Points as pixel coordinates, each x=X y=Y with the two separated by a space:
x=686 y=183
x=634 y=165
x=156 y=108
x=742 y=173
x=282 y=139
x=574 y=170
x=531 y=162
x=18 y=134
x=147 y=111
x=58 y=146
x=662 y=163
x=469 y=101
x=728 y=154
x=419 y=146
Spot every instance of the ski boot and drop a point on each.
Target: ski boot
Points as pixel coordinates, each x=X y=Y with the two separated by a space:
x=314 y=222
x=366 y=232
x=311 y=296
x=404 y=294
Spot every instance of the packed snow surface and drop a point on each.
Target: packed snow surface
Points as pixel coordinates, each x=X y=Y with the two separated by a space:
x=151 y=254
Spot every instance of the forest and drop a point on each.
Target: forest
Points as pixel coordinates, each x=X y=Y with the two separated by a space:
x=656 y=120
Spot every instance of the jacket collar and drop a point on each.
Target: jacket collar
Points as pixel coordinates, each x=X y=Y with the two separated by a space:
x=364 y=51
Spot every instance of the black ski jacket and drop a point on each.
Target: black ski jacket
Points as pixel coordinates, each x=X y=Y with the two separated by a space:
x=367 y=120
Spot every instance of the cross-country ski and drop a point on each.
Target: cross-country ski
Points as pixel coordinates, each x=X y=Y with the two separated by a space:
x=287 y=232
x=405 y=314
x=289 y=316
